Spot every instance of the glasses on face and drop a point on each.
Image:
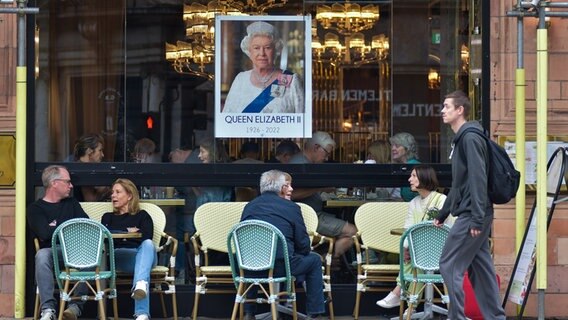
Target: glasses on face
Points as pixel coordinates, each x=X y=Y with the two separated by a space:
x=66 y=181
x=327 y=153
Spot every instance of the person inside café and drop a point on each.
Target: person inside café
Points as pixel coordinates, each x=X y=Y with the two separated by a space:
x=88 y=149
x=212 y=151
x=424 y=206
x=145 y=151
x=379 y=152
x=404 y=150
x=250 y=152
x=44 y=216
x=273 y=205
x=135 y=255
x=317 y=149
x=285 y=150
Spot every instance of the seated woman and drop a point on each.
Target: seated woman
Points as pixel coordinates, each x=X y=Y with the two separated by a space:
x=133 y=255
x=424 y=181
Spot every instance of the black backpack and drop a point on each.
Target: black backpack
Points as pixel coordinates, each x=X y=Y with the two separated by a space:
x=502 y=177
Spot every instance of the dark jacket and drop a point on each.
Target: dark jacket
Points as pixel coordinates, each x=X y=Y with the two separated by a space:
x=286 y=216
x=43 y=217
x=468 y=195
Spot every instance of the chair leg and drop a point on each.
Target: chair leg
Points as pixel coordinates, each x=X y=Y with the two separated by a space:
x=36 y=305
x=163 y=303
x=401 y=310
x=62 y=302
x=236 y=304
x=115 y=307
x=294 y=306
x=102 y=314
x=330 y=306
x=195 y=304
x=273 y=303
x=174 y=306
x=356 y=308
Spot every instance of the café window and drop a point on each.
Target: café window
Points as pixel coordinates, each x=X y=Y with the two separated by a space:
x=104 y=69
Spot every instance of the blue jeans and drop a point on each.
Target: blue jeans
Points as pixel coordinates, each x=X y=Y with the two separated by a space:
x=140 y=262
x=308 y=269
x=45 y=283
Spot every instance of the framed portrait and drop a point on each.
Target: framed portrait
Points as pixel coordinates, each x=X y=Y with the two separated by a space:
x=263 y=77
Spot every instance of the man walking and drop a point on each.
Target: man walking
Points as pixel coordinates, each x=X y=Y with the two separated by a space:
x=467 y=246
x=44 y=216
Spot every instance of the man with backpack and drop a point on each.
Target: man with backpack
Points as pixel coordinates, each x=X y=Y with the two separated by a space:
x=467 y=247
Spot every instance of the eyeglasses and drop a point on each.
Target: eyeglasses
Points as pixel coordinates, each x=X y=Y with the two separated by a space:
x=327 y=153
x=66 y=181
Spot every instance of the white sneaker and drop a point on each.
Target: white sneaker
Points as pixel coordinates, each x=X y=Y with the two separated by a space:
x=47 y=314
x=140 y=291
x=390 y=301
x=142 y=317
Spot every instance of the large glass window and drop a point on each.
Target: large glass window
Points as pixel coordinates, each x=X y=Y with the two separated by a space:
x=103 y=70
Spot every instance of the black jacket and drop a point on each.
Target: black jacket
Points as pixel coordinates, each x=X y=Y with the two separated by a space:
x=468 y=195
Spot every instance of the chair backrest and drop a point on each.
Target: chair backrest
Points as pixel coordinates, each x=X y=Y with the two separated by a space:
x=213 y=222
x=253 y=244
x=81 y=242
x=310 y=218
x=375 y=220
x=96 y=210
x=425 y=244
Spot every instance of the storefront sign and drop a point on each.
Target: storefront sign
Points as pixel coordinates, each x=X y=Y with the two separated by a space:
x=412 y=110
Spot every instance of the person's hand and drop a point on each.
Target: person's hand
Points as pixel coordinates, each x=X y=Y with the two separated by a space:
x=474 y=232
x=438 y=223
x=406 y=255
x=132 y=229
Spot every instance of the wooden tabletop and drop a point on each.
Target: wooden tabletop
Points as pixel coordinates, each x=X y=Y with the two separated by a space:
x=127 y=235
x=165 y=202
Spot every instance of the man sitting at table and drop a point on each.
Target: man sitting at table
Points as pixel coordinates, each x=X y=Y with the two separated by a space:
x=44 y=216
x=274 y=206
x=316 y=150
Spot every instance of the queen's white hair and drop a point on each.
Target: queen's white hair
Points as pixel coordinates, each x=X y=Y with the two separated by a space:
x=261 y=28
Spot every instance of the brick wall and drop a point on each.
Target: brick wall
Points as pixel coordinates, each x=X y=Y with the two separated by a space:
x=7 y=197
x=502 y=93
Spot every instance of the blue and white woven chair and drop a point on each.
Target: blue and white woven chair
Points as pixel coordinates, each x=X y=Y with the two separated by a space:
x=81 y=243
x=425 y=244
x=252 y=246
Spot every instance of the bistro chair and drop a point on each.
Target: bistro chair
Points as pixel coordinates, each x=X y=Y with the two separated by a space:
x=374 y=222
x=252 y=246
x=213 y=222
x=81 y=243
x=162 y=277
x=425 y=244
x=311 y=222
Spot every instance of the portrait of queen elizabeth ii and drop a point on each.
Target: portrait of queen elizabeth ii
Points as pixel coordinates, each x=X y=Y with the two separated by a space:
x=265 y=88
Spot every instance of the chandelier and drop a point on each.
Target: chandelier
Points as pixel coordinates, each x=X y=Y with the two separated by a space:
x=355 y=52
x=188 y=59
x=199 y=20
x=347 y=18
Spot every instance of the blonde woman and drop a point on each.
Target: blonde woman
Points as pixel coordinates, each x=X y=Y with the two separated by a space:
x=132 y=255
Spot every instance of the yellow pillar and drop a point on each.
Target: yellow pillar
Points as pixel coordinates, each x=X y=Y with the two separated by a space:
x=520 y=139
x=20 y=256
x=541 y=141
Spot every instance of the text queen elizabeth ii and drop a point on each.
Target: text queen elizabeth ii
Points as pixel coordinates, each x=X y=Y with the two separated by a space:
x=264 y=88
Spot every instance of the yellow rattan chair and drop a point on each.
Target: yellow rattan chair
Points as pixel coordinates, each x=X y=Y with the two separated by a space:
x=374 y=222
x=311 y=222
x=213 y=222
x=162 y=278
